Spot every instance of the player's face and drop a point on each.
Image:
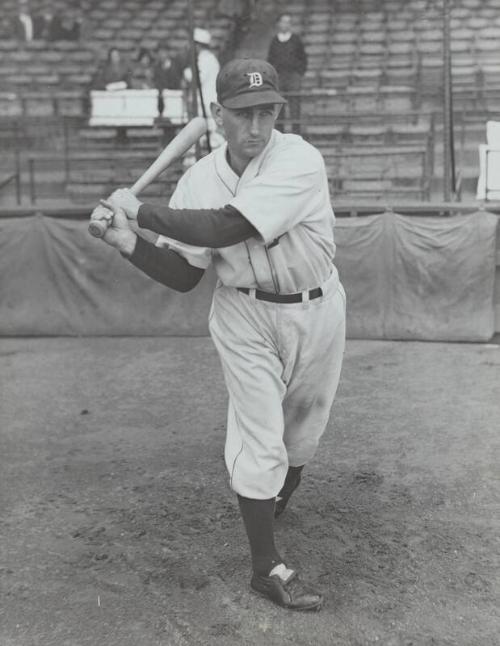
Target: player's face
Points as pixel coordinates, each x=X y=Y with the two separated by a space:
x=248 y=130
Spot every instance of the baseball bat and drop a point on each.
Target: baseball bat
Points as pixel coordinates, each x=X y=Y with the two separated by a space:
x=179 y=145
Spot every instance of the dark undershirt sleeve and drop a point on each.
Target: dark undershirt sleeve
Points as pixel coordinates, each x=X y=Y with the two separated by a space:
x=212 y=228
x=165 y=266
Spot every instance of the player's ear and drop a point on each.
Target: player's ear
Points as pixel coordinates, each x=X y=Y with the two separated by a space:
x=277 y=109
x=216 y=110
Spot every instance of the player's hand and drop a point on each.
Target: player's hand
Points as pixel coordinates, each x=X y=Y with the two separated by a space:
x=102 y=213
x=125 y=199
x=119 y=234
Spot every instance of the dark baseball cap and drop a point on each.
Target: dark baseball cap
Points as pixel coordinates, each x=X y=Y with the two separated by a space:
x=245 y=82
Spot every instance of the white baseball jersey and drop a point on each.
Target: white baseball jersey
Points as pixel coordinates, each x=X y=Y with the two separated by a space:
x=284 y=194
x=281 y=361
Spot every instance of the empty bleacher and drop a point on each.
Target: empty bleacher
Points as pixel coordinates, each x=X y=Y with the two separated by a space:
x=386 y=57
x=375 y=79
x=44 y=98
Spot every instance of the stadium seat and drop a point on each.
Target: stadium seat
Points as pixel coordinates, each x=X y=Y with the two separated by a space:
x=10 y=104
x=396 y=98
x=19 y=80
x=8 y=70
x=486 y=50
x=65 y=45
x=80 y=56
x=8 y=45
x=429 y=47
x=367 y=76
x=20 y=56
x=46 y=80
x=78 y=80
x=362 y=98
x=340 y=37
x=461 y=13
x=396 y=25
x=406 y=75
x=409 y=133
x=372 y=50
x=490 y=74
x=367 y=133
x=477 y=23
x=431 y=34
x=326 y=131
x=466 y=76
x=431 y=73
x=39 y=104
x=472 y=4
x=343 y=49
x=379 y=37
x=491 y=32
x=70 y=103
x=402 y=36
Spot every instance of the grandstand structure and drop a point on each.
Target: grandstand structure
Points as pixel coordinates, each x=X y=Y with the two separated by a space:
x=372 y=102
x=372 y=95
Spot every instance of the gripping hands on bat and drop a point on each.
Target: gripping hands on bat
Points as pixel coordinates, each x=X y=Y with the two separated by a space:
x=122 y=205
x=118 y=232
x=187 y=137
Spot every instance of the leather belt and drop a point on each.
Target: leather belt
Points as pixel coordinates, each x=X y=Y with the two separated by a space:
x=282 y=298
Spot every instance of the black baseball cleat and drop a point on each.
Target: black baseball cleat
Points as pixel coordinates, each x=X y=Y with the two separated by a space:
x=284 y=496
x=284 y=587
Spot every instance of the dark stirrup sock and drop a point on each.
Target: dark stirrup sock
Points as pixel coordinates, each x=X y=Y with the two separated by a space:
x=292 y=480
x=291 y=483
x=258 y=517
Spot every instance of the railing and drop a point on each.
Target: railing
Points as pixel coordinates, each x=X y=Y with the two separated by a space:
x=116 y=172
x=13 y=177
x=59 y=137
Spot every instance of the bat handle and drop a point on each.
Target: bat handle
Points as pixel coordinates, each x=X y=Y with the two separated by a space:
x=98 y=228
x=100 y=220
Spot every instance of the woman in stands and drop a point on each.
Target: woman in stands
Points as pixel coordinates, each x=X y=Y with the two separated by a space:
x=143 y=74
x=113 y=74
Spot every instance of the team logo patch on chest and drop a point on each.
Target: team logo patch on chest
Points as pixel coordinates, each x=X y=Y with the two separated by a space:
x=255 y=79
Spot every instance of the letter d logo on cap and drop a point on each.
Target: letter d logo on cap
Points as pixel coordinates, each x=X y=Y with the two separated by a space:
x=255 y=79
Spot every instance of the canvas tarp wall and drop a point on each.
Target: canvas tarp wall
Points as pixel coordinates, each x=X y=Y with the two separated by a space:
x=428 y=278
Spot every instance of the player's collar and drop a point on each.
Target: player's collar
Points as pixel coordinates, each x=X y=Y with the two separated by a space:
x=227 y=174
x=224 y=170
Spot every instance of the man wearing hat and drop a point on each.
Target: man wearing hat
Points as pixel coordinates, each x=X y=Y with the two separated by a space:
x=208 y=68
x=258 y=209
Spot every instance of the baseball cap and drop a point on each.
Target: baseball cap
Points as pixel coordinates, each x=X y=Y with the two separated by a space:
x=245 y=82
x=201 y=36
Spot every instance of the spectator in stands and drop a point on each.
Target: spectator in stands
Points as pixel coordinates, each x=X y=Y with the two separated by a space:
x=288 y=56
x=114 y=74
x=167 y=72
x=48 y=22
x=68 y=25
x=207 y=69
x=24 y=24
x=167 y=69
x=5 y=28
x=241 y=13
x=143 y=73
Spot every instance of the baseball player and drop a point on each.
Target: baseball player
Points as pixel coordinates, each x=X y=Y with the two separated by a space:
x=258 y=208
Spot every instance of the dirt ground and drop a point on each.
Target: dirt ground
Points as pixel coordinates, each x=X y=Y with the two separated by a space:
x=118 y=527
